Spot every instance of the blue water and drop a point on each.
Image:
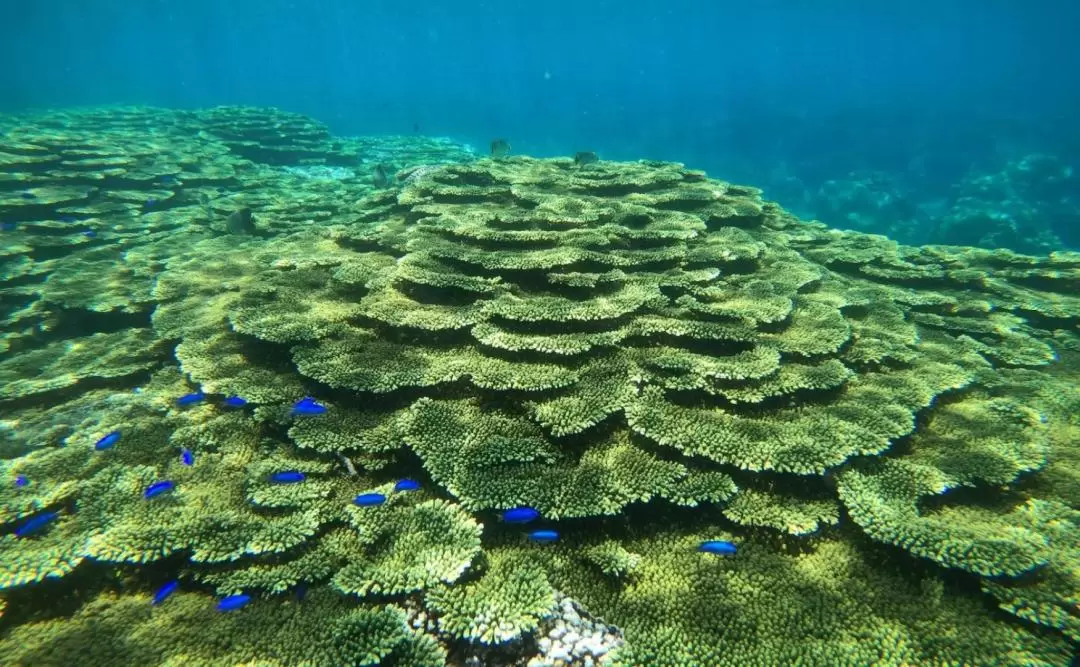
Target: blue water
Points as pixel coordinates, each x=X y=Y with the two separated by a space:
x=782 y=95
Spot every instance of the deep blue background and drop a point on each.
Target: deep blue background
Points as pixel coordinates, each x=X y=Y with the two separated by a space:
x=735 y=87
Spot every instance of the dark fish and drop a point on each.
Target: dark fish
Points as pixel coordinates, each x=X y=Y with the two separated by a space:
x=158 y=488
x=235 y=402
x=240 y=222
x=721 y=547
x=168 y=180
x=416 y=127
x=186 y=457
x=107 y=441
x=68 y=218
x=89 y=233
x=582 y=158
x=407 y=485
x=380 y=178
x=233 y=602
x=369 y=499
x=500 y=148
x=21 y=480
x=287 y=477
x=149 y=203
x=544 y=536
x=35 y=524
x=301 y=591
x=221 y=191
x=190 y=399
x=29 y=195
x=164 y=592
x=308 y=407
x=520 y=515
x=8 y=226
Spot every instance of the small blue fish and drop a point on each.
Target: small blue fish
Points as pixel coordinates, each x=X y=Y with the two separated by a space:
x=307 y=407
x=29 y=195
x=21 y=480
x=107 y=441
x=149 y=202
x=164 y=592
x=720 y=547
x=544 y=536
x=235 y=402
x=190 y=399
x=68 y=218
x=233 y=602
x=186 y=457
x=89 y=233
x=369 y=499
x=8 y=226
x=407 y=485
x=35 y=524
x=158 y=488
x=520 y=515
x=168 y=180
x=287 y=477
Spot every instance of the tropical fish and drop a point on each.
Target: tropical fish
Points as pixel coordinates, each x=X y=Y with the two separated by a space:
x=29 y=195
x=308 y=407
x=164 y=592
x=407 y=485
x=233 y=602
x=190 y=399
x=168 y=179
x=235 y=402
x=107 y=441
x=369 y=499
x=186 y=457
x=520 y=515
x=500 y=148
x=720 y=547
x=158 y=488
x=287 y=477
x=544 y=536
x=582 y=158
x=149 y=203
x=89 y=233
x=7 y=226
x=380 y=178
x=68 y=218
x=240 y=222
x=21 y=480
x=34 y=524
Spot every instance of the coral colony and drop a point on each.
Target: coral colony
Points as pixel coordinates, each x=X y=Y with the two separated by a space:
x=433 y=407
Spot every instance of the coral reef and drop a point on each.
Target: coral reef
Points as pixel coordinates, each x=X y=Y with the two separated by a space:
x=648 y=357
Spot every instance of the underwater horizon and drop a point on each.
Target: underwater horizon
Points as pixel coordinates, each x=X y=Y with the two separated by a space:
x=568 y=333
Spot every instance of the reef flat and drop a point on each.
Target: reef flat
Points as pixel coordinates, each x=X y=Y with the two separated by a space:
x=508 y=411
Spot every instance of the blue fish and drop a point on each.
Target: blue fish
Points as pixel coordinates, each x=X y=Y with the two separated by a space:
x=107 y=441
x=369 y=499
x=287 y=477
x=520 y=515
x=233 y=602
x=150 y=202
x=35 y=524
x=186 y=457
x=7 y=226
x=544 y=536
x=21 y=480
x=68 y=218
x=235 y=402
x=407 y=485
x=164 y=592
x=720 y=547
x=308 y=406
x=190 y=399
x=89 y=233
x=158 y=488
x=29 y=195
x=168 y=180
